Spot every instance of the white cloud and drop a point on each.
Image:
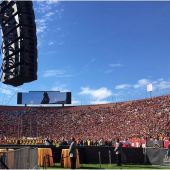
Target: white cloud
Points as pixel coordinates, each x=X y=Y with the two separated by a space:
x=92 y=60
x=162 y=85
x=99 y=102
x=56 y=73
x=50 y=43
x=52 y=1
x=116 y=65
x=49 y=2
x=49 y=14
x=41 y=28
x=122 y=86
x=142 y=83
x=159 y=84
x=61 y=43
x=9 y=90
x=6 y=91
x=97 y=94
x=47 y=11
x=76 y=102
x=108 y=71
x=58 y=29
x=60 y=87
x=42 y=23
x=112 y=67
x=89 y=63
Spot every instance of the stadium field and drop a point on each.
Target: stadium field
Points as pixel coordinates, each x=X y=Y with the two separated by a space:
x=114 y=166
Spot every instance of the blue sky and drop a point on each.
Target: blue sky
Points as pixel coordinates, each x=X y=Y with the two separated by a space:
x=100 y=51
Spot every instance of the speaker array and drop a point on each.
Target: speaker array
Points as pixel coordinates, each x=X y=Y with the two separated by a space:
x=19 y=42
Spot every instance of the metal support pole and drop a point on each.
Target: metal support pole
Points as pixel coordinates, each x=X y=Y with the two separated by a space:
x=150 y=94
x=99 y=159
x=110 y=159
x=145 y=157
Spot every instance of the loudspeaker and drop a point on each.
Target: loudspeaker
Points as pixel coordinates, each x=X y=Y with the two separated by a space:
x=19 y=42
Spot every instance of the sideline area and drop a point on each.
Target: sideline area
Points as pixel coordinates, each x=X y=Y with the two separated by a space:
x=114 y=166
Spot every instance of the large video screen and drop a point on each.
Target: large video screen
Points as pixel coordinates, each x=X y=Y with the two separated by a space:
x=44 y=97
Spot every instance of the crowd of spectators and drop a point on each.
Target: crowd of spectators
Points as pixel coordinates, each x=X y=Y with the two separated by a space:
x=90 y=125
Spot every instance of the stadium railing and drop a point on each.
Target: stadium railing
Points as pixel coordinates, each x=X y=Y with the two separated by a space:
x=24 y=158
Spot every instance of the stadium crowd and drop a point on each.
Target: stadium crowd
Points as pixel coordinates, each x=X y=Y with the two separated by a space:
x=133 y=122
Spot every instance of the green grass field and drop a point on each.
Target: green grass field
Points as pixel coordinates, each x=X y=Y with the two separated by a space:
x=114 y=166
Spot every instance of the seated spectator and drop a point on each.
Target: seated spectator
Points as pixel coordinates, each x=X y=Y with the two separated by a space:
x=127 y=143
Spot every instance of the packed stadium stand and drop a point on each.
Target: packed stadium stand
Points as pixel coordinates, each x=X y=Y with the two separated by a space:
x=140 y=119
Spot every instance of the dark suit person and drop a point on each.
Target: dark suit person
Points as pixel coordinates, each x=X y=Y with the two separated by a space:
x=118 y=150
x=72 y=153
x=45 y=99
x=169 y=152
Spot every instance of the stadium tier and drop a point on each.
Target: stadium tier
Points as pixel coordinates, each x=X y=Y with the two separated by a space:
x=134 y=119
